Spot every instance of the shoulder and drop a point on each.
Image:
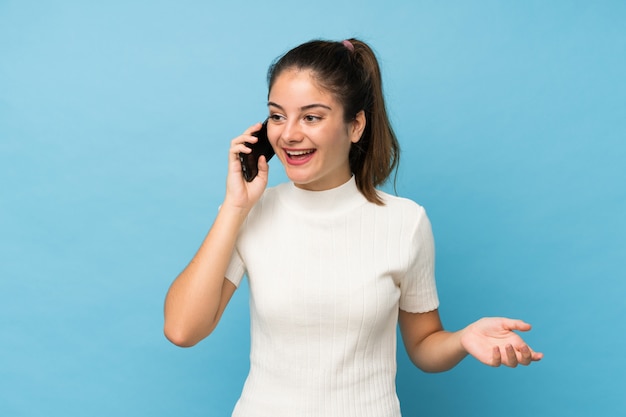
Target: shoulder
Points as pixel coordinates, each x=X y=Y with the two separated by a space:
x=402 y=215
x=396 y=204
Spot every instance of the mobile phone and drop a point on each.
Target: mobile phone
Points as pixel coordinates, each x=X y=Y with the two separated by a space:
x=250 y=161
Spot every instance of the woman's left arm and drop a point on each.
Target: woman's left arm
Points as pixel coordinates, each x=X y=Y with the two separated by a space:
x=492 y=341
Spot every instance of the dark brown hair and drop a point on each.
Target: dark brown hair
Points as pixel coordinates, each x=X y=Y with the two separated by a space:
x=350 y=71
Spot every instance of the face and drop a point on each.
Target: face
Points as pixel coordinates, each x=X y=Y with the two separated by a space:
x=307 y=130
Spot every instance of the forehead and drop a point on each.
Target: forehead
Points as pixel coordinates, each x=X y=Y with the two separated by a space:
x=299 y=87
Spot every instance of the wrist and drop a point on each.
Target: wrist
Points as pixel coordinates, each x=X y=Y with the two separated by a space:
x=232 y=210
x=460 y=339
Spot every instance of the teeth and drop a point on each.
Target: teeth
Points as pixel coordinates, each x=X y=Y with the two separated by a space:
x=299 y=153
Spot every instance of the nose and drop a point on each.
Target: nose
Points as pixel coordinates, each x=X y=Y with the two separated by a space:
x=292 y=132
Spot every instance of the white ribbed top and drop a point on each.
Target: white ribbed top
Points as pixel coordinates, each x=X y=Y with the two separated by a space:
x=328 y=271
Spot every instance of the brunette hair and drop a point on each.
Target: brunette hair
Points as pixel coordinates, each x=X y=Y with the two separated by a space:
x=350 y=71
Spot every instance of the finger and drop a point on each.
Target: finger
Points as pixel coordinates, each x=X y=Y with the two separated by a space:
x=496 y=357
x=511 y=357
x=263 y=167
x=242 y=140
x=526 y=355
x=513 y=324
x=254 y=128
x=234 y=158
x=247 y=135
x=238 y=146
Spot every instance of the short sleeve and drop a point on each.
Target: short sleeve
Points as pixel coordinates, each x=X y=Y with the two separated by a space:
x=418 y=288
x=236 y=268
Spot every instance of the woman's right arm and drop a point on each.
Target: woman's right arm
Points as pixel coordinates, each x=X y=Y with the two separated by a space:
x=198 y=296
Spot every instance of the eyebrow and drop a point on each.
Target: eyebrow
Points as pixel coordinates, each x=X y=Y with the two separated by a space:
x=307 y=107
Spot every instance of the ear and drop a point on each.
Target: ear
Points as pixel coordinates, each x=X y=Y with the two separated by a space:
x=357 y=126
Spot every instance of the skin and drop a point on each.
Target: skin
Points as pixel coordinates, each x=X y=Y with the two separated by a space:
x=307 y=130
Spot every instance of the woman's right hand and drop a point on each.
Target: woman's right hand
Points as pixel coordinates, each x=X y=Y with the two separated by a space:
x=241 y=194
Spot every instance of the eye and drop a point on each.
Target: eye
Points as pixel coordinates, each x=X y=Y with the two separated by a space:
x=311 y=118
x=275 y=117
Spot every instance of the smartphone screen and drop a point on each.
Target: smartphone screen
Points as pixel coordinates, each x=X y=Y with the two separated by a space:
x=249 y=161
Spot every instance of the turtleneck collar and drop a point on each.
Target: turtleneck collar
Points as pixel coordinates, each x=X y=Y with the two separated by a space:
x=325 y=203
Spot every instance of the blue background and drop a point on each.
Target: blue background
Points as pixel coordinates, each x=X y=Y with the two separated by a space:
x=115 y=120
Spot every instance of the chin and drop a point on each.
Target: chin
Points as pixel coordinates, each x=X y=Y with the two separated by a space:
x=301 y=180
x=298 y=176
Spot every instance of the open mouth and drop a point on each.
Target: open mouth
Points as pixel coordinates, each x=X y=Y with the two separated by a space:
x=299 y=155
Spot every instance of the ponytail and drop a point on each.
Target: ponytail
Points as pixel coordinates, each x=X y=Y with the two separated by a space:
x=377 y=154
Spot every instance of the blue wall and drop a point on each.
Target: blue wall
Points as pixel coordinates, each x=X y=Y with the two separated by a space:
x=115 y=121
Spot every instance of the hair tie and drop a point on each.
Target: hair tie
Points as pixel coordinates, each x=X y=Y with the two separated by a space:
x=348 y=45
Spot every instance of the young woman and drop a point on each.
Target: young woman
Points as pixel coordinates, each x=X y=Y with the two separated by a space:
x=333 y=264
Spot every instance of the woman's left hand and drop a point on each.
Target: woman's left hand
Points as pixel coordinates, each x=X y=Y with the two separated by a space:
x=493 y=341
